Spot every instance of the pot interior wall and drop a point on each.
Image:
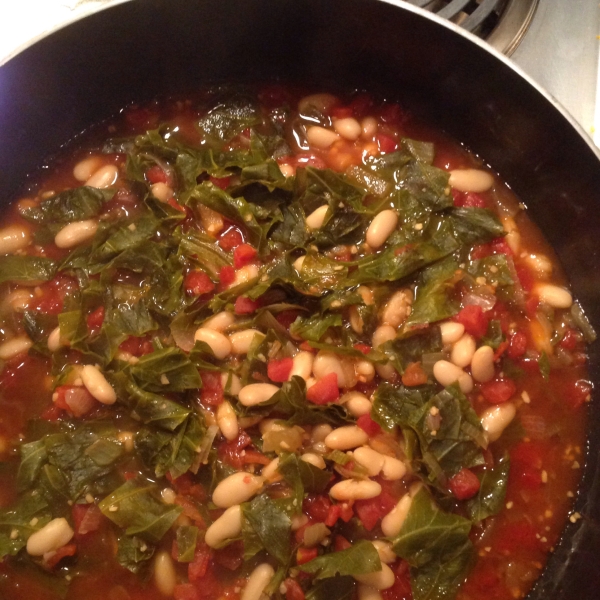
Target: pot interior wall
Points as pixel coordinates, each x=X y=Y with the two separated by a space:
x=141 y=50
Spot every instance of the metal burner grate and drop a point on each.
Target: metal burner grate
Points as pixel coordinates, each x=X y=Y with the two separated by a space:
x=502 y=23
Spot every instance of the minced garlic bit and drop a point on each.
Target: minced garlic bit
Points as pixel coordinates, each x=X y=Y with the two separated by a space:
x=544 y=476
x=525 y=397
x=509 y=505
x=575 y=517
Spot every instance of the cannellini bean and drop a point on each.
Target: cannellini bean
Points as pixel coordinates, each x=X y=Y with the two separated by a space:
x=327 y=362
x=236 y=488
x=356 y=403
x=227 y=421
x=383 y=334
x=245 y=274
x=14 y=347
x=226 y=527
x=463 y=351
x=451 y=332
x=76 y=233
x=385 y=551
x=317 y=217
x=381 y=227
x=104 y=177
x=298 y=521
x=302 y=365
x=287 y=170
x=346 y=438
x=168 y=495
x=161 y=191
x=320 y=137
x=320 y=432
x=322 y=102
x=380 y=580
x=393 y=469
x=85 y=168
x=242 y=340
x=127 y=438
x=482 y=365
x=299 y=262
x=369 y=128
x=220 y=322
x=387 y=372
x=370 y=459
x=366 y=592
x=269 y=472
x=19 y=300
x=257 y=582
x=218 y=343
x=314 y=534
x=314 y=459
x=471 y=180
x=365 y=371
x=256 y=393
x=355 y=489
x=447 y=373
x=97 y=385
x=356 y=321
x=397 y=308
x=54 y=342
x=349 y=128
x=496 y=419
x=541 y=264
x=366 y=293
x=553 y=295
x=513 y=236
x=231 y=383
x=13 y=238
x=50 y=537
x=391 y=524
x=165 y=576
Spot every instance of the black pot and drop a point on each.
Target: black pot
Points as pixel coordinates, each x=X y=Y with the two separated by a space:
x=148 y=48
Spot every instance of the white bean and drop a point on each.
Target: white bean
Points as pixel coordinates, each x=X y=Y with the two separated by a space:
x=287 y=170
x=256 y=393
x=496 y=419
x=236 y=488
x=302 y=365
x=447 y=373
x=393 y=469
x=19 y=300
x=54 y=342
x=242 y=340
x=482 y=365
x=327 y=362
x=104 y=177
x=387 y=372
x=320 y=432
x=226 y=527
x=355 y=489
x=397 y=308
x=320 y=137
x=369 y=128
x=553 y=295
x=541 y=264
x=366 y=592
x=245 y=275
x=370 y=459
x=299 y=262
x=365 y=371
x=97 y=385
x=313 y=459
x=381 y=227
x=471 y=180
x=85 y=168
x=391 y=524
x=383 y=334
x=356 y=321
x=269 y=472
x=322 y=102
x=14 y=347
x=165 y=576
x=356 y=403
x=348 y=128
x=384 y=549
x=76 y=233
x=13 y=238
x=50 y=537
x=513 y=236
x=227 y=421
x=346 y=438
x=451 y=332
x=380 y=580
x=317 y=217
x=463 y=351
x=220 y=322
x=233 y=381
x=218 y=343
x=257 y=582
x=161 y=191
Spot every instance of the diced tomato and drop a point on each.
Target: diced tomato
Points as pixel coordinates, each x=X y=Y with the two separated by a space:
x=386 y=142
x=230 y=452
x=293 y=591
x=185 y=591
x=304 y=555
x=245 y=306
x=570 y=340
x=279 y=370
x=498 y=391
x=232 y=556
x=526 y=278
x=198 y=568
x=480 y=251
x=157 y=174
x=254 y=457
x=500 y=246
x=464 y=484
x=414 y=375
x=212 y=389
x=287 y=317
x=231 y=239
x=174 y=204
x=221 y=182
x=86 y=518
x=51 y=297
x=370 y=511
x=317 y=508
x=306 y=347
x=243 y=255
x=341 y=112
x=74 y=399
x=368 y=425
x=401 y=590
x=502 y=348
x=333 y=514
x=474 y=320
x=340 y=543
x=326 y=390
x=54 y=559
x=364 y=348
x=197 y=283
x=226 y=276
x=52 y=413
x=578 y=393
x=468 y=199
x=94 y=320
x=517 y=345
x=138 y=346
